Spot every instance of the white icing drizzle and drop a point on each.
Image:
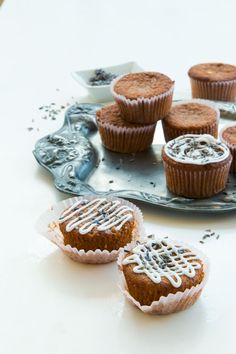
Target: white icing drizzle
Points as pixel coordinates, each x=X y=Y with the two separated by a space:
x=161 y=258
x=196 y=149
x=100 y=212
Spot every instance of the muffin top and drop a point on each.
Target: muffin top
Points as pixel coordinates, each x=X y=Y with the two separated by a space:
x=97 y=215
x=142 y=85
x=111 y=115
x=229 y=135
x=191 y=115
x=198 y=149
x=164 y=262
x=213 y=72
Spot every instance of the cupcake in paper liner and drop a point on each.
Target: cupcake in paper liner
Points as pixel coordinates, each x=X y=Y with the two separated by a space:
x=213 y=81
x=162 y=276
x=228 y=137
x=144 y=97
x=121 y=136
x=92 y=229
x=196 y=166
x=191 y=117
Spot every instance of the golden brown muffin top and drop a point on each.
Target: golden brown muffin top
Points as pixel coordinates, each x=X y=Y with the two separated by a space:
x=190 y=116
x=229 y=135
x=142 y=85
x=111 y=115
x=213 y=72
x=162 y=267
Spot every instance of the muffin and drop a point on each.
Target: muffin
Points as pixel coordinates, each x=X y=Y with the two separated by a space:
x=191 y=117
x=213 y=81
x=196 y=166
x=228 y=136
x=100 y=223
x=144 y=97
x=121 y=136
x=163 y=276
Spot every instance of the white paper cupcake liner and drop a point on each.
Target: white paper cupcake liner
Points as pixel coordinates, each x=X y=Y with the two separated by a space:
x=173 y=302
x=231 y=147
x=172 y=133
x=198 y=183
x=143 y=110
x=218 y=91
x=126 y=139
x=48 y=226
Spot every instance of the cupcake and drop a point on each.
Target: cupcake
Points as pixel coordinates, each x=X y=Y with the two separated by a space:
x=196 y=166
x=121 y=136
x=213 y=81
x=162 y=276
x=228 y=136
x=92 y=229
x=191 y=117
x=144 y=97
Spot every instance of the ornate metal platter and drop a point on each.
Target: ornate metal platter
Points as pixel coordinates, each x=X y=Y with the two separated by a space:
x=81 y=165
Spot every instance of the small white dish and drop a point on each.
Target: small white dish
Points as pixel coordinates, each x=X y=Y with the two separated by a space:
x=103 y=93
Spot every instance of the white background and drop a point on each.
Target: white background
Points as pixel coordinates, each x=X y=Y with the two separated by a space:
x=48 y=304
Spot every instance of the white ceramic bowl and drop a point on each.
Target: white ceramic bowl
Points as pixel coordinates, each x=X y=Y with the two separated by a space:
x=103 y=93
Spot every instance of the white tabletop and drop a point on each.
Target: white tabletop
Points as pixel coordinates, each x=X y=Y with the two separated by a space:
x=48 y=303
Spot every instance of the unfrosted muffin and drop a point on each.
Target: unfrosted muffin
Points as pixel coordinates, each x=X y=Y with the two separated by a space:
x=228 y=136
x=121 y=136
x=213 y=81
x=163 y=274
x=191 y=117
x=196 y=166
x=144 y=97
x=99 y=223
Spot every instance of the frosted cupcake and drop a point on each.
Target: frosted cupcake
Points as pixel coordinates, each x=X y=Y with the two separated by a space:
x=92 y=229
x=213 y=81
x=228 y=136
x=196 y=166
x=191 y=117
x=121 y=136
x=161 y=276
x=143 y=98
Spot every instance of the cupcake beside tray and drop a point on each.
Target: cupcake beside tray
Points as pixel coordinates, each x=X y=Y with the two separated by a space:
x=159 y=276
x=92 y=229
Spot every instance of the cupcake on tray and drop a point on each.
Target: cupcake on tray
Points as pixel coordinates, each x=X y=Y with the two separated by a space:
x=121 y=136
x=196 y=166
x=162 y=276
x=228 y=136
x=92 y=229
x=213 y=81
x=191 y=117
x=144 y=97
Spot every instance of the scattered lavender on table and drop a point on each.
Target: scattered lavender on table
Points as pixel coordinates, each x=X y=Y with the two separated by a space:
x=209 y=234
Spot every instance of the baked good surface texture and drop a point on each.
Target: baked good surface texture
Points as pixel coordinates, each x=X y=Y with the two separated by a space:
x=213 y=72
x=142 y=85
x=160 y=267
x=191 y=118
x=97 y=224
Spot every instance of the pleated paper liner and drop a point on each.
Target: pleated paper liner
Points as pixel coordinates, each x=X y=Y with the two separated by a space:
x=48 y=226
x=216 y=90
x=196 y=181
x=143 y=110
x=171 y=133
x=126 y=139
x=173 y=302
x=232 y=147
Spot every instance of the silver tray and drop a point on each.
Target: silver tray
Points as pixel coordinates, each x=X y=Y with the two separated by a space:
x=80 y=165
